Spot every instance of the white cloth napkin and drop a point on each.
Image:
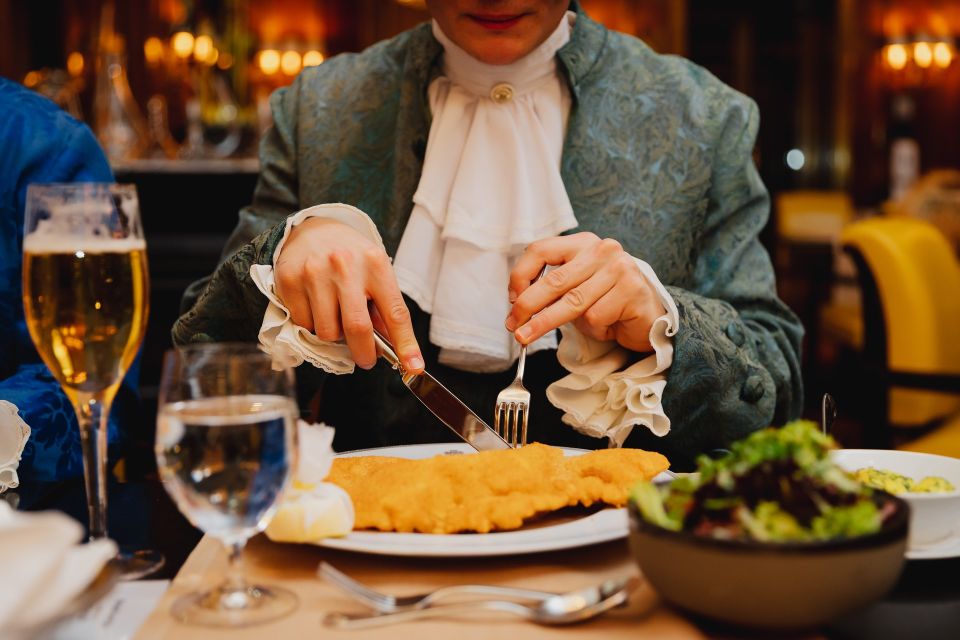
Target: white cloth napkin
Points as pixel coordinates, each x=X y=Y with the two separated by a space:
x=490 y=186
x=14 y=433
x=43 y=566
x=311 y=509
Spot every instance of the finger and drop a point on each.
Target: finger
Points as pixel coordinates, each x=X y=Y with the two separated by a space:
x=378 y=322
x=625 y=313
x=550 y=251
x=324 y=305
x=553 y=285
x=573 y=304
x=598 y=321
x=293 y=294
x=354 y=316
x=391 y=307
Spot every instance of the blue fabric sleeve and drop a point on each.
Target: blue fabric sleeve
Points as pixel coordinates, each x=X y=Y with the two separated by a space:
x=41 y=143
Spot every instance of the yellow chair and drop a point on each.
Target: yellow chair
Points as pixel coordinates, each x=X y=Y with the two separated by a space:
x=812 y=216
x=910 y=281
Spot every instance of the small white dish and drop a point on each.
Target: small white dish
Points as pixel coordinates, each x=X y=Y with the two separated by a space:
x=934 y=517
x=949 y=548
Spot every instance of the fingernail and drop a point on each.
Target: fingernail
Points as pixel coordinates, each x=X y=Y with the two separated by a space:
x=512 y=297
x=510 y=324
x=416 y=362
x=525 y=332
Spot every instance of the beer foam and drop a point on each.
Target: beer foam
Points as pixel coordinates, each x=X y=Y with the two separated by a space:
x=49 y=243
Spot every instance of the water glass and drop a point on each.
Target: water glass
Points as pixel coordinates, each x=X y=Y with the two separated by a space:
x=226 y=450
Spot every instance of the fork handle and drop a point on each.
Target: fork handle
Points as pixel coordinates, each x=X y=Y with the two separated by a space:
x=482 y=590
x=522 y=360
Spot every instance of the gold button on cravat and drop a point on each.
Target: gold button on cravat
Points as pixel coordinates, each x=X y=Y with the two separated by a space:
x=501 y=93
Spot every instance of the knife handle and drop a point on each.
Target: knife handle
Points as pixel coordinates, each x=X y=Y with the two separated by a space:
x=386 y=351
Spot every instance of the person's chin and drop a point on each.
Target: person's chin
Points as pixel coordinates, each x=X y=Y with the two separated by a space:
x=499 y=50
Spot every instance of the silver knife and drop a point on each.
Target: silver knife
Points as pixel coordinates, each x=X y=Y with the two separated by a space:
x=443 y=404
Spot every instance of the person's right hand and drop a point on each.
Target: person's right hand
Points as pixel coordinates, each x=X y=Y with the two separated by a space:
x=327 y=274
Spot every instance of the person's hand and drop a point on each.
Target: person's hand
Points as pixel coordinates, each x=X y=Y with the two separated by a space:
x=597 y=286
x=327 y=274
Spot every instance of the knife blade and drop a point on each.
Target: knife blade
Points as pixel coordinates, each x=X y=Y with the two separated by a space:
x=443 y=403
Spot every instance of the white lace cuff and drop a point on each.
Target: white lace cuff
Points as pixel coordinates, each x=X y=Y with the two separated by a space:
x=603 y=397
x=288 y=343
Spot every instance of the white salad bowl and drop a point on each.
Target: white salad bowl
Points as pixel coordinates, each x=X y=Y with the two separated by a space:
x=934 y=517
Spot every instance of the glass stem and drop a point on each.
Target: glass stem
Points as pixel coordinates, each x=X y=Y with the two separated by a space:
x=92 y=412
x=234 y=581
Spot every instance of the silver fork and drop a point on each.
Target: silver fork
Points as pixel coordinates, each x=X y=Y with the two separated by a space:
x=514 y=402
x=388 y=603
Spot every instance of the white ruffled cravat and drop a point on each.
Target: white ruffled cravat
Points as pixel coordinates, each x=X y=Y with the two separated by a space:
x=490 y=186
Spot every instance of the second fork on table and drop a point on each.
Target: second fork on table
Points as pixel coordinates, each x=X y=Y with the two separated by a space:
x=387 y=603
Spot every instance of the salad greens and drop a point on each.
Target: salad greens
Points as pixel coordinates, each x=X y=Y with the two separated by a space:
x=776 y=485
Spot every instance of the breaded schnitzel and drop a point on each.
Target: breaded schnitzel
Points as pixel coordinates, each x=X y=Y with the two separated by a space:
x=486 y=491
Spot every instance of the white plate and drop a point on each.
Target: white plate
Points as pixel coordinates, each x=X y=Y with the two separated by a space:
x=602 y=526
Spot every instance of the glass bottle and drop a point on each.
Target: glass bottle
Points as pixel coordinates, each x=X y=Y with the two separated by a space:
x=117 y=120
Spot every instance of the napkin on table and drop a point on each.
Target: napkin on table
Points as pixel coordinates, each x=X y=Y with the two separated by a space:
x=14 y=433
x=311 y=509
x=43 y=566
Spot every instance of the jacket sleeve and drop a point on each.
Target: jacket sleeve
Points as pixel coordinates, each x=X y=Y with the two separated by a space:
x=737 y=353
x=276 y=196
x=40 y=143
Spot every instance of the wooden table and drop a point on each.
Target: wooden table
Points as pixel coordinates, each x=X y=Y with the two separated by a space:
x=294 y=567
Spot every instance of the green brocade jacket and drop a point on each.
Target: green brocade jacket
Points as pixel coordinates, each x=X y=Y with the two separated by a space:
x=657 y=155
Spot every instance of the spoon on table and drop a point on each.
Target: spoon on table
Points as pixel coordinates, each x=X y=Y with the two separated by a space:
x=564 y=608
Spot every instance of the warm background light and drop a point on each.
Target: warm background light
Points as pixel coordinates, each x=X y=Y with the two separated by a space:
x=153 y=50
x=75 y=63
x=202 y=48
x=290 y=63
x=182 y=43
x=224 y=61
x=269 y=61
x=312 y=58
x=942 y=55
x=897 y=56
x=922 y=54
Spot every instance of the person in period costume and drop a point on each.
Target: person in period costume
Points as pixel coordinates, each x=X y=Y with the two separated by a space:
x=422 y=185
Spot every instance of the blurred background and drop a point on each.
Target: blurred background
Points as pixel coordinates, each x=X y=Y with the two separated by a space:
x=859 y=102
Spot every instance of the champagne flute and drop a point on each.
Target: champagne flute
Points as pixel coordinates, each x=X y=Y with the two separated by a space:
x=85 y=298
x=226 y=450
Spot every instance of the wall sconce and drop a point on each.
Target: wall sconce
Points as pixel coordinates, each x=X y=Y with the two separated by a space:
x=288 y=61
x=920 y=53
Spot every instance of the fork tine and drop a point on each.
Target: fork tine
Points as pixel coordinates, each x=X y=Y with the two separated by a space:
x=526 y=416
x=506 y=423
x=496 y=419
x=513 y=424
x=334 y=575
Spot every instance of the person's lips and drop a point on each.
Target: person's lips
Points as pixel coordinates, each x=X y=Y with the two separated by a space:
x=496 y=22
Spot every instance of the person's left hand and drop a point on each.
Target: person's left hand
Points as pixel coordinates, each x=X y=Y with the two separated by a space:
x=597 y=286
